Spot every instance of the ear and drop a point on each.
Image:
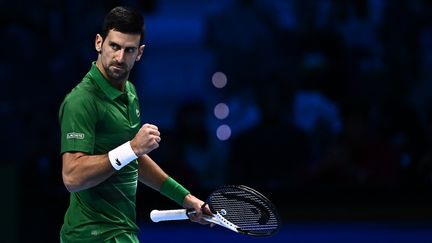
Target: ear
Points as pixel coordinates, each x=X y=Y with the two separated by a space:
x=98 y=43
x=140 y=52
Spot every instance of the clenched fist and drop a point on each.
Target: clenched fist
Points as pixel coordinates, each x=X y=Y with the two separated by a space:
x=147 y=139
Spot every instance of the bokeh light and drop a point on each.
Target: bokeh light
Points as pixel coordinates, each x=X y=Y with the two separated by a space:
x=219 y=79
x=223 y=132
x=221 y=111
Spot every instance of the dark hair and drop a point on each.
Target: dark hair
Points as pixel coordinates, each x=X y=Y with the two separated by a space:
x=125 y=20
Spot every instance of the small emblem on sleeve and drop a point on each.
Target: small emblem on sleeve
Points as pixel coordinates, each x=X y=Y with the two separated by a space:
x=137 y=112
x=75 y=135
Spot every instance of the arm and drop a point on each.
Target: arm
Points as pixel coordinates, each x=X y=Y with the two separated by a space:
x=150 y=174
x=82 y=171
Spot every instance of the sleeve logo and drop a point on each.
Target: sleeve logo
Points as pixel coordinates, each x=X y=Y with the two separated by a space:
x=75 y=135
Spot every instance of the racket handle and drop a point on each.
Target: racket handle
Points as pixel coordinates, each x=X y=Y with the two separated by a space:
x=165 y=215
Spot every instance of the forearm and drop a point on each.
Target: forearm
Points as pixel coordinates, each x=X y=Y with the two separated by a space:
x=82 y=171
x=153 y=176
x=150 y=173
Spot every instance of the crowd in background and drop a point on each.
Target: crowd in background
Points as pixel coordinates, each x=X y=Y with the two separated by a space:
x=342 y=88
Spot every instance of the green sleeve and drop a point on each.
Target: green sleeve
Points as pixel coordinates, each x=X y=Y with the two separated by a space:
x=77 y=118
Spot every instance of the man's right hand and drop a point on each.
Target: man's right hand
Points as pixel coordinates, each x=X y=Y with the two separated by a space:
x=147 y=139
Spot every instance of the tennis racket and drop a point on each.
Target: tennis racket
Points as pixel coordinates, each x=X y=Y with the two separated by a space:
x=235 y=207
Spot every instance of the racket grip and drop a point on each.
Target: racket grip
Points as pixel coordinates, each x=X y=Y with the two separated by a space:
x=165 y=215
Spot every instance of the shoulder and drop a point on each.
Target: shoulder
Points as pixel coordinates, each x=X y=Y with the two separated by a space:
x=82 y=98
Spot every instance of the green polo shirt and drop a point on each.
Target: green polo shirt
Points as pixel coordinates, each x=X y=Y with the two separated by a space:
x=95 y=118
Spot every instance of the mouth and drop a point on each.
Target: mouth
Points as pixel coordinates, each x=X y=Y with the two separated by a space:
x=118 y=67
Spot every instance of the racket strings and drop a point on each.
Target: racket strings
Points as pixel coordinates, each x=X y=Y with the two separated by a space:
x=247 y=219
x=248 y=211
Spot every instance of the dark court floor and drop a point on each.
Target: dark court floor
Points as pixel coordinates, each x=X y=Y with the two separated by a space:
x=296 y=232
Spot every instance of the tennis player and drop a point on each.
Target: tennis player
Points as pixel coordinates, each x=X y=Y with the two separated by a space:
x=105 y=147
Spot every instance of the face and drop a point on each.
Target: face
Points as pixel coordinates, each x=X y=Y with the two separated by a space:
x=118 y=54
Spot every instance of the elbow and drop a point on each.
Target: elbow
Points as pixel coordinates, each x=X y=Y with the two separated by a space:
x=72 y=176
x=71 y=184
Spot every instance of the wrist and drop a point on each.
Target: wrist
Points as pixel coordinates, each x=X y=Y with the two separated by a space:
x=188 y=198
x=134 y=147
x=121 y=156
x=173 y=190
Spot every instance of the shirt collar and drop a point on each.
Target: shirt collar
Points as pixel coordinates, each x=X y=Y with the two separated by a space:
x=111 y=92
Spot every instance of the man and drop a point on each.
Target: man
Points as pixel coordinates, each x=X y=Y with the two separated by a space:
x=103 y=145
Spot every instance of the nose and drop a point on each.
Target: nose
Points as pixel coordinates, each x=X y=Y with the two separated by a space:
x=120 y=56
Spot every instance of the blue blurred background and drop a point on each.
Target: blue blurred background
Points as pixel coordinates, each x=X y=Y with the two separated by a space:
x=322 y=105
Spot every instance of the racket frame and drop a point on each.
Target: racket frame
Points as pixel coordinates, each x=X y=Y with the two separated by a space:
x=217 y=217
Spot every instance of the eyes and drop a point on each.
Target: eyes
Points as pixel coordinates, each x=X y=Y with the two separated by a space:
x=117 y=47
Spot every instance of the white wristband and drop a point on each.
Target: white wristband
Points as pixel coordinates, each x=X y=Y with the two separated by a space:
x=121 y=156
